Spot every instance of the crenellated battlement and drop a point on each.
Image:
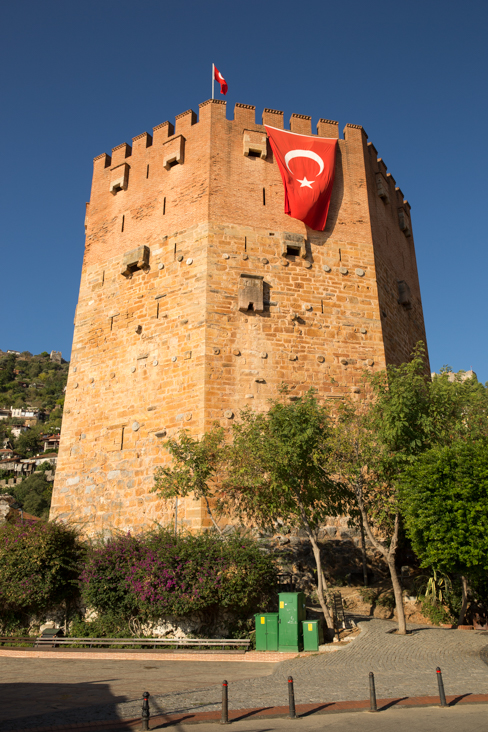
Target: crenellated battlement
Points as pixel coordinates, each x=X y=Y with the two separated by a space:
x=244 y=114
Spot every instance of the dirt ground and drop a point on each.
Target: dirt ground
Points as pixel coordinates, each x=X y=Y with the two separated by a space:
x=368 y=601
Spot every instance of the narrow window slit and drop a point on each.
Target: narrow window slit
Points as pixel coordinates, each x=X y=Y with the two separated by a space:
x=147 y=172
x=123 y=221
x=322 y=305
x=111 y=323
x=164 y=205
x=264 y=196
x=122 y=439
x=157 y=310
x=245 y=243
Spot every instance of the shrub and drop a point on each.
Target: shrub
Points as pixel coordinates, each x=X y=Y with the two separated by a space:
x=435 y=612
x=39 y=566
x=157 y=574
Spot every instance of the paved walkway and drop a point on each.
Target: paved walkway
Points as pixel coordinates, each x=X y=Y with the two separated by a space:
x=404 y=666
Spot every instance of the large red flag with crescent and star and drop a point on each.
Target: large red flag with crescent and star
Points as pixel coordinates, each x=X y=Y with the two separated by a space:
x=307 y=167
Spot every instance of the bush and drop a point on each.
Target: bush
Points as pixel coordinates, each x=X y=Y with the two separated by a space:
x=435 y=612
x=157 y=574
x=39 y=566
x=107 y=626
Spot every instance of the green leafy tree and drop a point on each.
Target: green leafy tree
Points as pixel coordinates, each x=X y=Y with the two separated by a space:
x=363 y=463
x=39 y=566
x=34 y=495
x=29 y=443
x=195 y=468
x=377 y=441
x=445 y=503
x=275 y=472
x=7 y=366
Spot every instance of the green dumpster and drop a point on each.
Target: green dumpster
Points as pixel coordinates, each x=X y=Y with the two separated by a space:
x=266 y=631
x=291 y=614
x=313 y=635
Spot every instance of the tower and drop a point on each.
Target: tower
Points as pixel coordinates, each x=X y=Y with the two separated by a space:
x=199 y=295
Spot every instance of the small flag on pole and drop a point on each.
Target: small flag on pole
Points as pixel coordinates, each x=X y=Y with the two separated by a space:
x=217 y=76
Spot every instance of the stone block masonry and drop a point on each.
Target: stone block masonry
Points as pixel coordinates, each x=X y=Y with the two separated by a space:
x=199 y=296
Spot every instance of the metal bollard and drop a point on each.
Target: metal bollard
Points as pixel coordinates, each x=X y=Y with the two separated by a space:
x=225 y=704
x=440 y=684
x=145 y=711
x=372 y=693
x=291 y=698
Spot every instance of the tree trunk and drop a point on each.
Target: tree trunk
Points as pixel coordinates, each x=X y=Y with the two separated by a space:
x=389 y=555
x=363 y=553
x=397 y=591
x=320 y=582
x=464 y=604
x=211 y=516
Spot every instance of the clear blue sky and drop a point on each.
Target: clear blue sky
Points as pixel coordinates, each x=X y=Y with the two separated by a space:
x=79 y=78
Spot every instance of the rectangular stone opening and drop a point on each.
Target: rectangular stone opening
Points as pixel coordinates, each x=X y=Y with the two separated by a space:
x=292 y=250
x=251 y=293
x=135 y=260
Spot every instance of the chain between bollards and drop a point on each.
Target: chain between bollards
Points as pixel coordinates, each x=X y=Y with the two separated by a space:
x=440 y=684
x=225 y=703
x=145 y=711
x=372 y=694
x=291 y=698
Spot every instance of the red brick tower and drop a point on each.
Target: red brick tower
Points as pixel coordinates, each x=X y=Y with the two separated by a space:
x=199 y=295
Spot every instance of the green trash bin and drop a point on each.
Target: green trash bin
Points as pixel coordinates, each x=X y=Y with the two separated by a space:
x=266 y=631
x=313 y=635
x=291 y=614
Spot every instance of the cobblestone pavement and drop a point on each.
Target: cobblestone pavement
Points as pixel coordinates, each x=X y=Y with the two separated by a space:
x=403 y=666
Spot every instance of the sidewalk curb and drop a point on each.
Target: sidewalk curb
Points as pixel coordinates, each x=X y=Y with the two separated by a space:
x=90 y=655
x=156 y=721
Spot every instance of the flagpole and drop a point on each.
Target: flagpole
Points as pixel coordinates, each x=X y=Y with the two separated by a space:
x=213 y=81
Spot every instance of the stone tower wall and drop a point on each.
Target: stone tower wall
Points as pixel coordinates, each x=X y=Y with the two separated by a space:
x=164 y=339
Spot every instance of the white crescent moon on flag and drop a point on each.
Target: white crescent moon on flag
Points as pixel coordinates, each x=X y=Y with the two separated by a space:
x=303 y=154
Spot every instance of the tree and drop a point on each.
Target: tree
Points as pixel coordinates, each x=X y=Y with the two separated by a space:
x=195 y=468
x=362 y=462
x=28 y=443
x=373 y=443
x=275 y=472
x=34 y=494
x=445 y=503
x=377 y=441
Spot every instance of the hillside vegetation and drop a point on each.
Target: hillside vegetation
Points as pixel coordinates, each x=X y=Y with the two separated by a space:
x=33 y=381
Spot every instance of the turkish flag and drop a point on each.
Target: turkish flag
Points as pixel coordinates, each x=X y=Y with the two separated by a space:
x=307 y=167
x=218 y=77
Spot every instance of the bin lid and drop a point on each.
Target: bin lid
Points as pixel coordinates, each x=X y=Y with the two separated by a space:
x=310 y=622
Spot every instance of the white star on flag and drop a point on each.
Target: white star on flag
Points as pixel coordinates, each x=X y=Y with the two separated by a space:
x=305 y=183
